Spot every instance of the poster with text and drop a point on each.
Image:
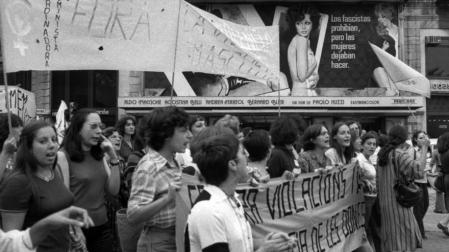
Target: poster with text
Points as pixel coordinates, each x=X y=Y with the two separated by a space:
x=324 y=51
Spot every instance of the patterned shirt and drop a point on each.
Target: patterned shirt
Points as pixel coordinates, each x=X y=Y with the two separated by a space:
x=150 y=182
x=309 y=161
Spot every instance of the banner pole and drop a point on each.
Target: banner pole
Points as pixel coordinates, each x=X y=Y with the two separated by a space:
x=5 y=77
x=175 y=55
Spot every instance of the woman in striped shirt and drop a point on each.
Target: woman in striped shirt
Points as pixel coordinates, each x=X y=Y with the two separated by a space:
x=399 y=229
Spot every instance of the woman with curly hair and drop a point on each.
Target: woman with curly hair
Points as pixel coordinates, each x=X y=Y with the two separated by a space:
x=399 y=230
x=126 y=127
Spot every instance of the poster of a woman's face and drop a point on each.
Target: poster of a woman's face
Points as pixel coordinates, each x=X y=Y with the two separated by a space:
x=304 y=27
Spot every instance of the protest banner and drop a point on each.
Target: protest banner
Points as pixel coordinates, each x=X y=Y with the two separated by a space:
x=65 y=35
x=212 y=45
x=21 y=102
x=133 y=35
x=324 y=212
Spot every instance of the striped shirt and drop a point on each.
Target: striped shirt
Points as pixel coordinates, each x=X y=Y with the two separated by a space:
x=399 y=230
x=150 y=182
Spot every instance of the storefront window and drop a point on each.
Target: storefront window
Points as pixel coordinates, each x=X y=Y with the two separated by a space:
x=95 y=89
x=437 y=53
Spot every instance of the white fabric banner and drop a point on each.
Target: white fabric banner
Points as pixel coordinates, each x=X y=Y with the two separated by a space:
x=135 y=35
x=213 y=45
x=84 y=34
x=324 y=212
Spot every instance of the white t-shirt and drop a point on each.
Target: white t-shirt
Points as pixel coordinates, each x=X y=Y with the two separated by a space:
x=217 y=218
x=368 y=172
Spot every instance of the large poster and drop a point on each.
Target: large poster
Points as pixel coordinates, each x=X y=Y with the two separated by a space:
x=324 y=212
x=324 y=51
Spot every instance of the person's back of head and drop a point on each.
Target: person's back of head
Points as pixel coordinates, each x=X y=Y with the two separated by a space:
x=229 y=121
x=161 y=124
x=213 y=156
x=139 y=140
x=206 y=133
x=258 y=145
x=396 y=136
x=382 y=140
x=284 y=131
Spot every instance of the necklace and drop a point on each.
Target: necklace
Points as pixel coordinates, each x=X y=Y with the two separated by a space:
x=46 y=178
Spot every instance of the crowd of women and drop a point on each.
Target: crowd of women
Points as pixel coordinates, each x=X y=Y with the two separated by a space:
x=126 y=176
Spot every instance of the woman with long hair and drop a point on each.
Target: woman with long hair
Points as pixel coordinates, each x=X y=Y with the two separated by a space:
x=35 y=189
x=341 y=151
x=419 y=140
x=315 y=144
x=91 y=177
x=399 y=230
x=126 y=127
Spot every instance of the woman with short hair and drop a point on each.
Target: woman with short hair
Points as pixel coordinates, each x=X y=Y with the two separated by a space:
x=315 y=142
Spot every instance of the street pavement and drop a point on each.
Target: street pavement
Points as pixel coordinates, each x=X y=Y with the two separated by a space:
x=436 y=240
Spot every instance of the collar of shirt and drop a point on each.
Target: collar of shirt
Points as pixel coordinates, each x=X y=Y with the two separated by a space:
x=217 y=193
x=160 y=161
